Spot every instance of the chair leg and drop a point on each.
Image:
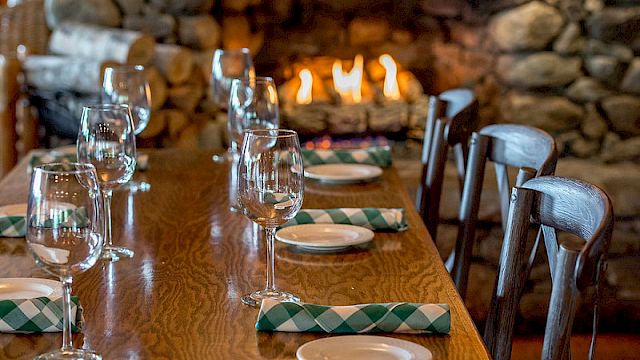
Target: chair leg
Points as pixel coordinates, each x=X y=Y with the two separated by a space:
x=562 y=306
x=468 y=215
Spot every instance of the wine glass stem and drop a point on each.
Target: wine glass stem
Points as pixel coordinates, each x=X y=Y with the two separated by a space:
x=67 y=337
x=270 y=234
x=106 y=201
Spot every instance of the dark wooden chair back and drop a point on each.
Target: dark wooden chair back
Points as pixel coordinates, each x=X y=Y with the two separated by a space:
x=452 y=116
x=506 y=145
x=554 y=203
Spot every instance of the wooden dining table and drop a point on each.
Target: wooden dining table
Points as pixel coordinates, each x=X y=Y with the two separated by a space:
x=179 y=296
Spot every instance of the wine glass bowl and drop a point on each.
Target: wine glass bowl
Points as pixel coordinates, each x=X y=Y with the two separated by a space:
x=226 y=65
x=106 y=140
x=64 y=221
x=127 y=84
x=270 y=192
x=253 y=105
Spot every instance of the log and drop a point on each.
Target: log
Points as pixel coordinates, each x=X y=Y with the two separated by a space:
x=157 y=25
x=156 y=125
x=178 y=7
x=102 y=44
x=186 y=97
x=201 y=31
x=236 y=34
x=176 y=122
x=174 y=62
x=130 y=7
x=49 y=72
x=158 y=88
x=204 y=59
x=237 y=5
x=390 y=116
x=97 y=12
x=189 y=138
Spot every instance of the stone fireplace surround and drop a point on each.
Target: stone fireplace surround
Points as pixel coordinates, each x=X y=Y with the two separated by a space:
x=570 y=67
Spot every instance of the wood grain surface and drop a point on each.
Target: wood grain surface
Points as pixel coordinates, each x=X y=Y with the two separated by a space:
x=179 y=297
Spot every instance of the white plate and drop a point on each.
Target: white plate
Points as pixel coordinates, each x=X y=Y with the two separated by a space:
x=342 y=173
x=324 y=237
x=28 y=288
x=368 y=347
x=13 y=210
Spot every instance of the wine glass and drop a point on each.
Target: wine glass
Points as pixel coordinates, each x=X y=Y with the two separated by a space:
x=128 y=84
x=106 y=140
x=64 y=218
x=227 y=65
x=253 y=104
x=270 y=192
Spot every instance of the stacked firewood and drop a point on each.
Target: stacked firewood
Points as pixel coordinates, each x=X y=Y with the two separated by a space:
x=173 y=39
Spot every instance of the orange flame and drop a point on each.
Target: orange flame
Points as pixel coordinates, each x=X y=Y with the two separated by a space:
x=391 y=89
x=349 y=85
x=304 y=92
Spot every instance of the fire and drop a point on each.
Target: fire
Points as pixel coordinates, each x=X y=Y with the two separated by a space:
x=304 y=92
x=391 y=89
x=349 y=85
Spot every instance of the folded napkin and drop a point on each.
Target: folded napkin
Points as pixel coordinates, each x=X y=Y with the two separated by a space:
x=370 y=218
x=378 y=155
x=37 y=315
x=398 y=317
x=13 y=226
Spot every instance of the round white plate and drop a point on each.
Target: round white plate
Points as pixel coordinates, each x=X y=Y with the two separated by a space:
x=13 y=210
x=324 y=237
x=342 y=173
x=29 y=288
x=368 y=347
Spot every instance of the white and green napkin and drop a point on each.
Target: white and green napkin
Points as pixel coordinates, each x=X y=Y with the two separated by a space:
x=12 y=220
x=400 y=317
x=40 y=314
x=377 y=155
x=390 y=219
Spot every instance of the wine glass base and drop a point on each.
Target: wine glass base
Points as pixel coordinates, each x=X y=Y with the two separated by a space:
x=69 y=355
x=255 y=299
x=115 y=253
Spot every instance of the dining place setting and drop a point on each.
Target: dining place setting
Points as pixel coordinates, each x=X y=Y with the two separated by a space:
x=319 y=210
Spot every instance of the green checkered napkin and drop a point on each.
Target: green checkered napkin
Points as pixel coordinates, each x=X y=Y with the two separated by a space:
x=12 y=226
x=398 y=317
x=371 y=218
x=37 y=315
x=377 y=155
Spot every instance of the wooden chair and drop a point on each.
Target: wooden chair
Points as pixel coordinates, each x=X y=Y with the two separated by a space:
x=451 y=118
x=553 y=203
x=506 y=145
